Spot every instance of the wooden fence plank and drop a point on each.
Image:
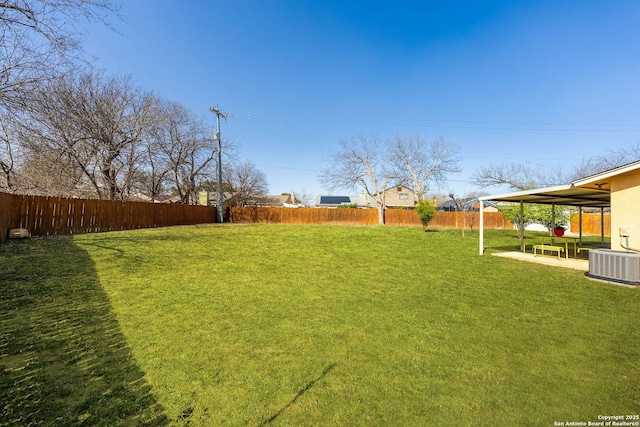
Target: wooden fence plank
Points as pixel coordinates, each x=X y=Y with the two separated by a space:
x=6 y=206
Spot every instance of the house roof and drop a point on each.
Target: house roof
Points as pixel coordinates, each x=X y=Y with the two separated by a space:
x=448 y=204
x=467 y=203
x=602 y=181
x=476 y=201
x=393 y=187
x=334 y=200
x=591 y=191
x=362 y=201
x=275 y=200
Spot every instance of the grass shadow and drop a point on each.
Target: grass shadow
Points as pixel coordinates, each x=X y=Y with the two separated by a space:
x=302 y=391
x=63 y=357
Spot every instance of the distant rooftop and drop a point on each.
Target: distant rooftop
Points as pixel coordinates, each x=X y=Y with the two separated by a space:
x=334 y=200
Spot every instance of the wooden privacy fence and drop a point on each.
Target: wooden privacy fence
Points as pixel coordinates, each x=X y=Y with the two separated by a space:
x=44 y=216
x=591 y=223
x=362 y=217
x=252 y=214
x=449 y=219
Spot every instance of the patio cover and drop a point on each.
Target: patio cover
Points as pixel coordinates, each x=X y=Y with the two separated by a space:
x=562 y=195
x=593 y=191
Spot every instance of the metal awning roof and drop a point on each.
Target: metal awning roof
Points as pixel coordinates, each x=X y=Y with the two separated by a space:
x=561 y=195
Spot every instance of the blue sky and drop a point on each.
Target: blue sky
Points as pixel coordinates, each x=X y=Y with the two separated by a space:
x=540 y=82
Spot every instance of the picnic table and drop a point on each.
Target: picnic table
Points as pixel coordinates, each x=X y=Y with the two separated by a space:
x=542 y=247
x=567 y=241
x=550 y=244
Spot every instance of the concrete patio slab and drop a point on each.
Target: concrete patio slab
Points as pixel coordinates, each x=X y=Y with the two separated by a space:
x=576 y=264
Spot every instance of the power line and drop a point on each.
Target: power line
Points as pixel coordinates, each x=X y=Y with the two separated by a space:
x=290 y=168
x=472 y=124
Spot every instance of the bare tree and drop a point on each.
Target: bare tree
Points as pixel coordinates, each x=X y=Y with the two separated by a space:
x=99 y=124
x=514 y=175
x=520 y=176
x=360 y=162
x=587 y=166
x=55 y=139
x=112 y=137
x=609 y=160
x=619 y=157
x=302 y=196
x=468 y=207
x=188 y=147
x=154 y=178
x=48 y=173
x=419 y=163
x=40 y=39
x=8 y=150
x=246 y=184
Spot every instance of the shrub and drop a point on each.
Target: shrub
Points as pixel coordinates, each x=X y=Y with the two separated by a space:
x=426 y=211
x=535 y=214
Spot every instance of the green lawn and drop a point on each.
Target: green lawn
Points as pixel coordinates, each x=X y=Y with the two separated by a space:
x=307 y=325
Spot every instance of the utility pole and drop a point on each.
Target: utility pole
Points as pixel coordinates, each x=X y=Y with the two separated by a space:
x=216 y=110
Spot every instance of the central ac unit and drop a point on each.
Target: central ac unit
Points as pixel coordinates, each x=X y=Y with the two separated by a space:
x=616 y=266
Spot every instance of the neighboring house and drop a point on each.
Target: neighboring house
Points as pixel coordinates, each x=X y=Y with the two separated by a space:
x=267 y=201
x=467 y=205
x=395 y=197
x=399 y=196
x=448 y=206
x=139 y=197
x=210 y=198
x=143 y=197
x=284 y=200
x=474 y=205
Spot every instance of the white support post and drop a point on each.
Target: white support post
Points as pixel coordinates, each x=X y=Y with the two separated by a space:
x=553 y=223
x=521 y=232
x=602 y=226
x=481 y=227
